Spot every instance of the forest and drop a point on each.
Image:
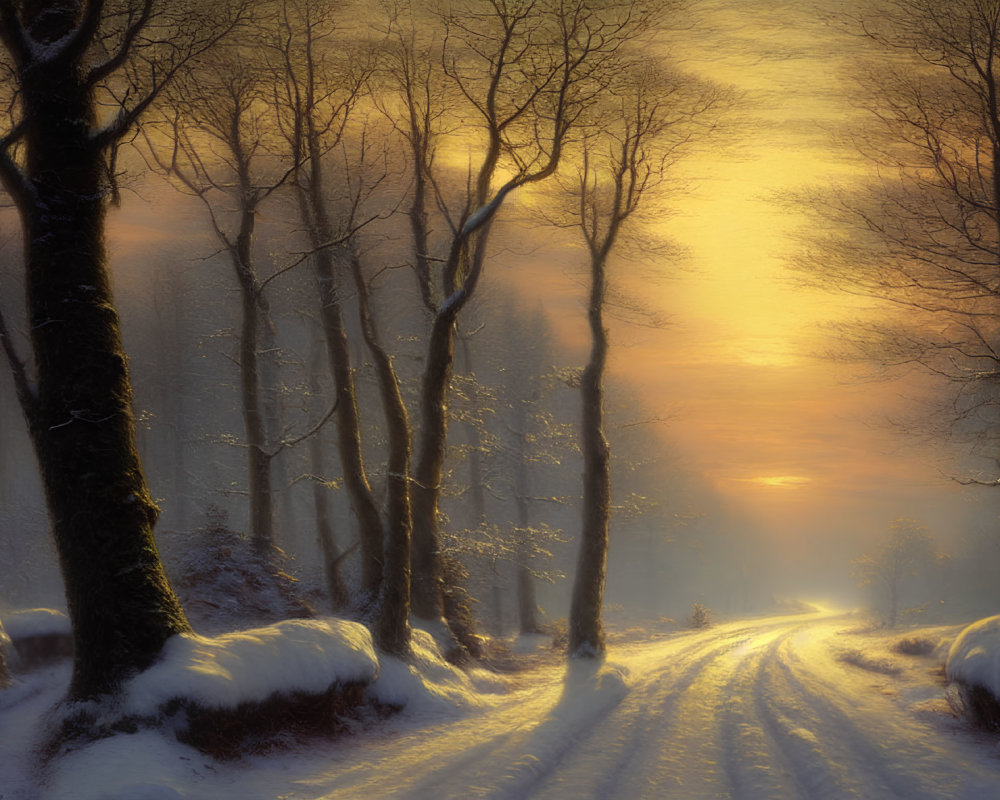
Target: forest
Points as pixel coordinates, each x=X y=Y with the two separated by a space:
x=319 y=321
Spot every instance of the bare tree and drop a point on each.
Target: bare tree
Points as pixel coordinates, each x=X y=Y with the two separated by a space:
x=82 y=73
x=332 y=556
x=323 y=83
x=651 y=117
x=223 y=152
x=522 y=74
x=923 y=232
x=908 y=552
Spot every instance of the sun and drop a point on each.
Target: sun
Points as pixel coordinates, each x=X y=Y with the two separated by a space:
x=780 y=481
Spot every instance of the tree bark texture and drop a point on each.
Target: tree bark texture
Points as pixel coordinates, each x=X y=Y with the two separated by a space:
x=586 y=634
x=81 y=422
x=392 y=626
x=427 y=601
x=321 y=500
x=258 y=457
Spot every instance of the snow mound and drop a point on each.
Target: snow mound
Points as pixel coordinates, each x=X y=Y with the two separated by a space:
x=427 y=682
x=143 y=766
x=227 y=670
x=36 y=622
x=974 y=657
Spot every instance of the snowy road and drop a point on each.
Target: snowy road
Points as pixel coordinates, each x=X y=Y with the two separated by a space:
x=764 y=709
x=803 y=706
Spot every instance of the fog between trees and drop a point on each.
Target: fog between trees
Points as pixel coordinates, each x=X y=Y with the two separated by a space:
x=331 y=133
x=325 y=357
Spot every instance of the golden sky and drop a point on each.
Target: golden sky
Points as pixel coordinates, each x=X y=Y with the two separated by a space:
x=789 y=437
x=785 y=435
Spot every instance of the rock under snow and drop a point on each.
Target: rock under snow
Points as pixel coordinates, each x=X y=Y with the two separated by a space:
x=252 y=665
x=31 y=622
x=974 y=658
x=39 y=636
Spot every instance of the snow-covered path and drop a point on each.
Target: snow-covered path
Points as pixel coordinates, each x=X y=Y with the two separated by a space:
x=802 y=706
x=761 y=709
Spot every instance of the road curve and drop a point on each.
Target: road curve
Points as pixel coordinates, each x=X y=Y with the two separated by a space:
x=754 y=710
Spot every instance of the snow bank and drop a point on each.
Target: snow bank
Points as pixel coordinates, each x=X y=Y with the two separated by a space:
x=427 y=682
x=224 y=671
x=974 y=657
x=36 y=622
x=142 y=766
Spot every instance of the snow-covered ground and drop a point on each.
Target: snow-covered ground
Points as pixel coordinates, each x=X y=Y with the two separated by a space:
x=805 y=706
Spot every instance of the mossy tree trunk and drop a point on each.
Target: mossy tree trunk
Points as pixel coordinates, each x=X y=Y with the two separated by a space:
x=79 y=408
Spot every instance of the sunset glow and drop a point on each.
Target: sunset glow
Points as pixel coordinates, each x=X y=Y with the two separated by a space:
x=742 y=363
x=780 y=481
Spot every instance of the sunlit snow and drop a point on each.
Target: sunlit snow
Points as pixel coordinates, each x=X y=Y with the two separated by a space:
x=774 y=707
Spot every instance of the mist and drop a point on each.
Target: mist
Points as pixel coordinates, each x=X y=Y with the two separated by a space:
x=610 y=383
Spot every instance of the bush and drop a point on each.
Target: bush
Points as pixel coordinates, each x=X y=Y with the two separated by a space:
x=276 y=722
x=701 y=616
x=558 y=629
x=224 y=581
x=458 y=611
x=914 y=646
x=862 y=660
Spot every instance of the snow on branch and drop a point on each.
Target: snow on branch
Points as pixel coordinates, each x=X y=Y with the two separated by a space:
x=482 y=215
x=109 y=66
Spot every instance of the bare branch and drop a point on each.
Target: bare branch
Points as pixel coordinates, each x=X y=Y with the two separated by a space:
x=25 y=392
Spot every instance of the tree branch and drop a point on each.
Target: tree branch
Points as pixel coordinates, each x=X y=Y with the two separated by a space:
x=105 y=69
x=12 y=33
x=25 y=393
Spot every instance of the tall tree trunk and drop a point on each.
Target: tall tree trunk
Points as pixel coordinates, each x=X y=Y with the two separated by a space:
x=392 y=627
x=349 y=432
x=586 y=635
x=282 y=518
x=312 y=208
x=321 y=499
x=81 y=422
x=258 y=457
x=425 y=562
x=308 y=150
x=427 y=600
x=527 y=603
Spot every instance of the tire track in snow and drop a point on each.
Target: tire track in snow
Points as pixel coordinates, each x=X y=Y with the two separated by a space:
x=643 y=713
x=755 y=767
x=818 y=769
x=886 y=759
x=654 y=732
x=747 y=711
